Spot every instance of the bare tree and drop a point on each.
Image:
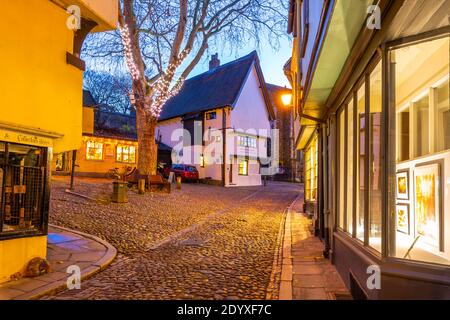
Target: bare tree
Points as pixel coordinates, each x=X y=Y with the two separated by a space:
x=163 y=40
x=111 y=92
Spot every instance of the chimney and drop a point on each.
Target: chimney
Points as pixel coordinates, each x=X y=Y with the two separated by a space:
x=214 y=62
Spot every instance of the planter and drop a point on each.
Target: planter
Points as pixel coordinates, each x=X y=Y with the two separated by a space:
x=120 y=192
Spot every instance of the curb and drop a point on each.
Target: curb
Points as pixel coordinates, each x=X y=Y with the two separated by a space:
x=99 y=265
x=286 y=277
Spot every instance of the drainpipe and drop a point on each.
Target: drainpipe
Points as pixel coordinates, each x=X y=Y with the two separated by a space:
x=224 y=144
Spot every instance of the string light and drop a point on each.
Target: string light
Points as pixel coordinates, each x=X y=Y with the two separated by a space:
x=131 y=64
x=162 y=90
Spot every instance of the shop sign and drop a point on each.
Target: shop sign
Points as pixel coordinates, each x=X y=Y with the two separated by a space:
x=22 y=138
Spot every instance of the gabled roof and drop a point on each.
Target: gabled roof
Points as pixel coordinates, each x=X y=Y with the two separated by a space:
x=216 y=88
x=88 y=99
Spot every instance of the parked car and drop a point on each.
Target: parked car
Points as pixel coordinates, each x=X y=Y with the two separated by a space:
x=186 y=172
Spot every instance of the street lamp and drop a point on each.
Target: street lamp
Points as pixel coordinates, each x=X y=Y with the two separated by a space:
x=287 y=99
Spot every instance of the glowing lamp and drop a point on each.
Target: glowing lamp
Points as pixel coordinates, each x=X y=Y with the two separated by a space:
x=287 y=99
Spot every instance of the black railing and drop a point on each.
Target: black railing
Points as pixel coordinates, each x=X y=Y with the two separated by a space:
x=22 y=196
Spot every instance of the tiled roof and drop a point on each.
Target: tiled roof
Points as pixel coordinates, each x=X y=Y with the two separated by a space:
x=88 y=99
x=216 y=88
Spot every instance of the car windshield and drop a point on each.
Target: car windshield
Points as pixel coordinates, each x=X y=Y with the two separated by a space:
x=191 y=169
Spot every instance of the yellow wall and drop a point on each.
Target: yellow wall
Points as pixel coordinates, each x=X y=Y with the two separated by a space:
x=38 y=86
x=14 y=254
x=109 y=159
x=88 y=120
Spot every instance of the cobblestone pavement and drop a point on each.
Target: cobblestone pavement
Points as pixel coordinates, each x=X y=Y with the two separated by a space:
x=203 y=242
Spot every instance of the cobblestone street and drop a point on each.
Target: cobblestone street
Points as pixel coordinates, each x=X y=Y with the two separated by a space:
x=203 y=242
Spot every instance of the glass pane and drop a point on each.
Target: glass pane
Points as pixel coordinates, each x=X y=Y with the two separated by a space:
x=420 y=209
x=443 y=117
x=349 y=176
x=421 y=118
x=341 y=168
x=2 y=153
x=375 y=159
x=361 y=163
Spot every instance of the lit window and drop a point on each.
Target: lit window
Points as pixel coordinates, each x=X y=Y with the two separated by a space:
x=245 y=141
x=126 y=154
x=211 y=115
x=311 y=170
x=418 y=209
x=94 y=150
x=202 y=161
x=243 y=167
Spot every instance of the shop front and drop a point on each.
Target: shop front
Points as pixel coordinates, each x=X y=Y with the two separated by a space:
x=393 y=172
x=383 y=123
x=40 y=114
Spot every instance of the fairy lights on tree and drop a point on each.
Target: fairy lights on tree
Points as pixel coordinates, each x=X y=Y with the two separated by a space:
x=131 y=64
x=162 y=91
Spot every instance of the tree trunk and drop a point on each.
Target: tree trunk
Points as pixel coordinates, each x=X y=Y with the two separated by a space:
x=147 y=148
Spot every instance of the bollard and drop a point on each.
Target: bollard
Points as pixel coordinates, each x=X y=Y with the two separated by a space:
x=141 y=186
x=178 y=183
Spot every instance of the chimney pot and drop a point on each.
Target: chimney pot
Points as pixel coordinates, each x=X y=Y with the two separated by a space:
x=214 y=62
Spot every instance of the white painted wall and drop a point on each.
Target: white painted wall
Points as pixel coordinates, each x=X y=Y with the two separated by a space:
x=249 y=117
x=165 y=129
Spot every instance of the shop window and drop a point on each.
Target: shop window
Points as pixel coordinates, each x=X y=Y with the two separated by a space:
x=311 y=167
x=126 y=154
x=375 y=211
x=419 y=224
x=94 y=150
x=349 y=176
x=341 y=188
x=243 y=167
x=360 y=165
x=22 y=189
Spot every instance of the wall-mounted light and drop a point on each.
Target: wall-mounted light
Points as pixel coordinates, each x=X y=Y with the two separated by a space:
x=287 y=99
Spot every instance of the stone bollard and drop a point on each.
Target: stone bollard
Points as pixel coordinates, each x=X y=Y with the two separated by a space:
x=141 y=186
x=178 y=183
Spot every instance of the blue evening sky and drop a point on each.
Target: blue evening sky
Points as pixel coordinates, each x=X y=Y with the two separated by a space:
x=272 y=60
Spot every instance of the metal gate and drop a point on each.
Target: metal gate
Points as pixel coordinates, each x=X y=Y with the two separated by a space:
x=22 y=198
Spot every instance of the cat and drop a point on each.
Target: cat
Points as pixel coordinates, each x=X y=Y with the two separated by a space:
x=36 y=267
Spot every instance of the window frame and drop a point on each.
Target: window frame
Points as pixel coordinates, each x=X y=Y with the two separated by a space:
x=211 y=115
x=363 y=81
x=389 y=155
x=129 y=152
x=245 y=160
x=87 y=153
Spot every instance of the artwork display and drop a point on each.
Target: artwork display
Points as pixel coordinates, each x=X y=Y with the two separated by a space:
x=403 y=185
x=403 y=218
x=427 y=203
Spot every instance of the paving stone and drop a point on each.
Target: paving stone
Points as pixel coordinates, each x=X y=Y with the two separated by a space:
x=220 y=244
x=310 y=294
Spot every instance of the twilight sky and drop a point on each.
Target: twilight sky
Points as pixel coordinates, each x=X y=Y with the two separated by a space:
x=272 y=61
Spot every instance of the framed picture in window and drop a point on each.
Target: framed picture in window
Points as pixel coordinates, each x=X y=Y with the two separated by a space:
x=427 y=203
x=403 y=221
x=402 y=183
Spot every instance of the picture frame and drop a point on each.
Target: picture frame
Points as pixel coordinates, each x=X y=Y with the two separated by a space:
x=403 y=218
x=427 y=203
x=402 y=185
